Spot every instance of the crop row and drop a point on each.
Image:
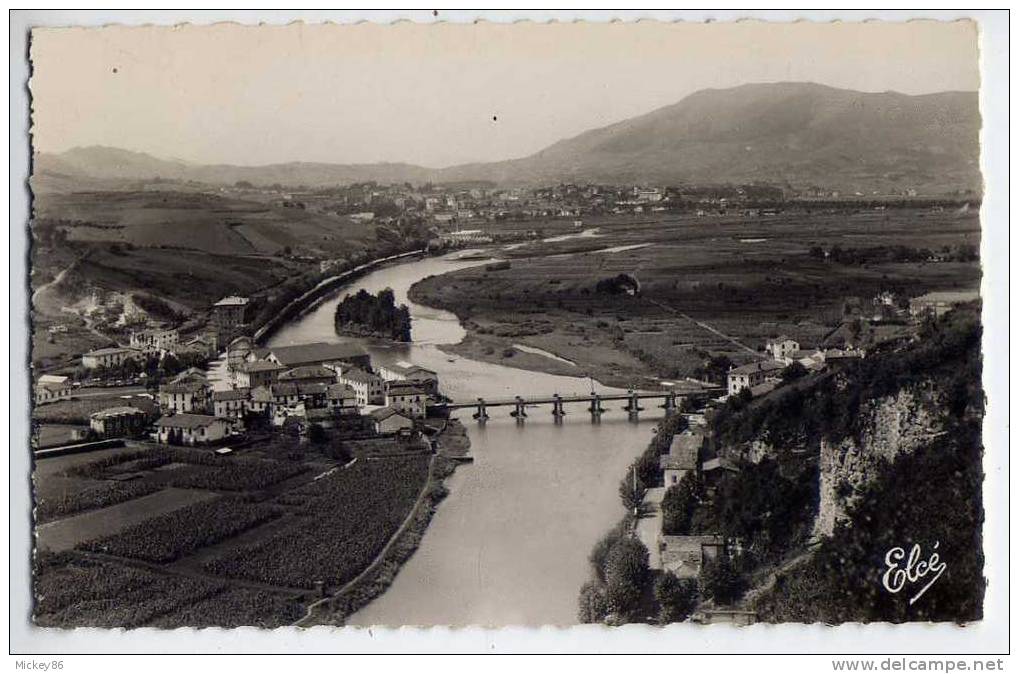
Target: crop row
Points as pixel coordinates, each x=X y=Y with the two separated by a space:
x=85 y=593
x=343 y=521
x=72 y=592
x=170 y=536
x=211 y=471
x=91 y=498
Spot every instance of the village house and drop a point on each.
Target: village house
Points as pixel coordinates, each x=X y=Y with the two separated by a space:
x=260 y=401
x=230 y=317
x=342 y=398
x=683 y=457
x=119 y=422
x=191 y=429
x=250 y=374
x=113 y=356
x=404 y=371
x=752 y=374
x=333 y=356
x=685 y=555
x=188 y=392
x=386 y=421
x=407 y=397
x=368 y=386
x=51 y=388
x=155 y=340
x=715 y=469
x=937 y=304
x=781 y=348
x=205 y=344
x=230 y=404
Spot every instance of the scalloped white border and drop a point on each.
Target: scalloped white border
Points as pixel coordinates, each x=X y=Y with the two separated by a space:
x=988 y=636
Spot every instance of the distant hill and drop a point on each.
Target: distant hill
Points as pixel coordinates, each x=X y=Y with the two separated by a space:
x=799 y=134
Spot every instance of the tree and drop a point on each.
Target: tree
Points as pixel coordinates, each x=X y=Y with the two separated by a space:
x=594 y=606
x=631 y=492
x=316 y=434
x=626 y=570
x=720 y=581
x=678 y=505
x=793 y=371
x=676 y=597
x=600 y=553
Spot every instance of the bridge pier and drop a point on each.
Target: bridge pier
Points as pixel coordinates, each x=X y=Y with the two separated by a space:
x=633 y=407
x=481 y=414
x=670 y=403
x=596 y=409
x=557 y=408
x=518 y=410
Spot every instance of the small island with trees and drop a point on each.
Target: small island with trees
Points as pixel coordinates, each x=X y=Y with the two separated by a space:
x=364 y=314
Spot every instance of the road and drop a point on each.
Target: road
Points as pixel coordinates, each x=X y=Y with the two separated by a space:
x=650 y=525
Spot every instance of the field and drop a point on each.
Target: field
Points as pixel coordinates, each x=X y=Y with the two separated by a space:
x=79 y=409
x=709 y=286
x=341 y=522
x=74 y=591
x=166 y=537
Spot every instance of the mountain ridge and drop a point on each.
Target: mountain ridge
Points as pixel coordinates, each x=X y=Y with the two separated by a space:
x=786 y=133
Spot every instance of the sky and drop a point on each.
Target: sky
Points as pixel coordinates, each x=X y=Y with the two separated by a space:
x=439 y=94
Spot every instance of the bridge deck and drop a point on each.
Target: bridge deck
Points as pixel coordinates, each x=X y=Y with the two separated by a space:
x=574 y=398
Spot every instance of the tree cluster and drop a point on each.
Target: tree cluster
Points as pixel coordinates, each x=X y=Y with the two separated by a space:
x=377 y=315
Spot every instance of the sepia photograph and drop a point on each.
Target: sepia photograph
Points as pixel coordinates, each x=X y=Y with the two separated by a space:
x=506 y=324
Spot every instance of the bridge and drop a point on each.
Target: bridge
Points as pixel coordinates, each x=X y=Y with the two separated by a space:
x=558 y=402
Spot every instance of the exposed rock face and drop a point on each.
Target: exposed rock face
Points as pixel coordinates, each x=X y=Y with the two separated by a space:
x=895 y=425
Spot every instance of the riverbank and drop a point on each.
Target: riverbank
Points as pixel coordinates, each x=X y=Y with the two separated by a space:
x=452 y=447
x=577 y=345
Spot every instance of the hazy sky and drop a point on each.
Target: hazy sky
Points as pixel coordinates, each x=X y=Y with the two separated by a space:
x=439 y=94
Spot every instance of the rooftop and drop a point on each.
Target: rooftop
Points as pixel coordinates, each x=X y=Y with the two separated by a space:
x=185 y=386
x=232 y=394
x=760 y=366
x=111 y=350
x=116 y=412
x=684 y=451
x=187 y=421
x=405 y=388
x=317 y=352
x=383 y=413
x=338 y=391
x=357 y=374
x=260 y=366
x=232 y=301
x=949 y=296
x=308 y=372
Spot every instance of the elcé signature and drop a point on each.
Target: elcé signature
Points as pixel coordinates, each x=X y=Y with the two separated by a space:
x=903 y=570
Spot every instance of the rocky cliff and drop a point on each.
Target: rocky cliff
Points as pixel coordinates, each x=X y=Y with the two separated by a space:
x=893 y=425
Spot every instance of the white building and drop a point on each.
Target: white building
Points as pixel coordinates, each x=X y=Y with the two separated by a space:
x=782 y=348
x=191 y=429
x=408 y=398
x=752 y=374
x=109 y=357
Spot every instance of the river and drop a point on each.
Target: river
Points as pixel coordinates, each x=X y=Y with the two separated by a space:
x=509 y=545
